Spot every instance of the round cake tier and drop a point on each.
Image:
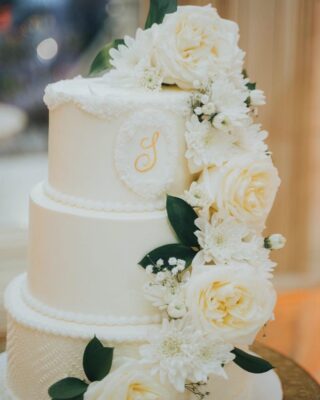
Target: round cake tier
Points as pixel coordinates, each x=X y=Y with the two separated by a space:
x=84 y=264
x=115 y=149
x=42 y=350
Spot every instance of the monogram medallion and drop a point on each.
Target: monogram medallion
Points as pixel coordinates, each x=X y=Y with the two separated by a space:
x=145 y=153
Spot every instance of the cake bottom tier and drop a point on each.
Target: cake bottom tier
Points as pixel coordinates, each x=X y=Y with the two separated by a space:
x=42 y=350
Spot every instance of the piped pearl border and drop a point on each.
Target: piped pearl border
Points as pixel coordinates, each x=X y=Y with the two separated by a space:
x=79 y=202
x=85 y=319
x=21 y=312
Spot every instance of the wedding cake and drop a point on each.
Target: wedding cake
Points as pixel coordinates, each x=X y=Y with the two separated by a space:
x=149 y=273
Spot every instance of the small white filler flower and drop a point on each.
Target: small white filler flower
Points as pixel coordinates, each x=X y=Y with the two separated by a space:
x=275 y=241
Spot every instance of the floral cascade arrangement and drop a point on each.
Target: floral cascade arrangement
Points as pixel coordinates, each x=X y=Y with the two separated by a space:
x=213 y=286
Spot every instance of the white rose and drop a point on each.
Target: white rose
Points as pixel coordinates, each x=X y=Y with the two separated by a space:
x=245 y=187
x=131 y=381
x=231 y=301
x=194 y=43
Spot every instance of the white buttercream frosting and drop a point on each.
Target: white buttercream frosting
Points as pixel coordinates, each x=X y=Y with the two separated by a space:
x=91 y=255
x=100 y=97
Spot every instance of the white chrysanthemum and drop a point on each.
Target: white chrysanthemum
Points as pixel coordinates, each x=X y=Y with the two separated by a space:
x=181 y=353
x=167 y=292
x=225 y=239
x=133 y=61
x=249 y=138
x=228 y=100
x=194 y=43
x=208 y=146
x=257 y=98
x=210 y=355
x=231 y=301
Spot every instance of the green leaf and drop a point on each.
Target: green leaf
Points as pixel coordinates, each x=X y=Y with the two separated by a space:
x=97 y=360
x=74 y=398
x=182 y=216
x=251 y=85
x=244 y=73
x=68 y=389
x=158 y=9
x=250 y=363
x=176 y=250
x=102 y=60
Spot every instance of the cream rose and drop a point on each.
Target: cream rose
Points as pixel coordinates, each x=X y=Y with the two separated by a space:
x=194 y=43
x=131 y=381
x=231 y=301
x=245 y=187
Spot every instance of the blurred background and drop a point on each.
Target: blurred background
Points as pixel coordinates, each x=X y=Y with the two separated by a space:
x=47 y=40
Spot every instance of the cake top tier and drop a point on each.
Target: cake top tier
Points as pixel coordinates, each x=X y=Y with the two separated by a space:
x=119 y=149
x=118 y=142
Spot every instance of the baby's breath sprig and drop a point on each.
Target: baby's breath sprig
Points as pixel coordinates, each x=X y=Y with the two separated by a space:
x=195 y=388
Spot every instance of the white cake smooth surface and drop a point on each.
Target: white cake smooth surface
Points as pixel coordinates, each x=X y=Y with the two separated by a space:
x=100 y=145
x=93 y=256
x=42 y=350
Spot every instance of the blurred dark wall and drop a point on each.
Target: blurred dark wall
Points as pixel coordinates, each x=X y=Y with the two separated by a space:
x=70 y=26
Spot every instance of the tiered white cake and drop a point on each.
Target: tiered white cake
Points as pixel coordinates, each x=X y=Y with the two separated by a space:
x=115 y=151
x=88 y=234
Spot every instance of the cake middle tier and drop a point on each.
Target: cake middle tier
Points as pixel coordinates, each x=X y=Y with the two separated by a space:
x=84 y=264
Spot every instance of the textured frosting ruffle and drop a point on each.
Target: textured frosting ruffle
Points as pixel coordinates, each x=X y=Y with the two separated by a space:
x=97 y=96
